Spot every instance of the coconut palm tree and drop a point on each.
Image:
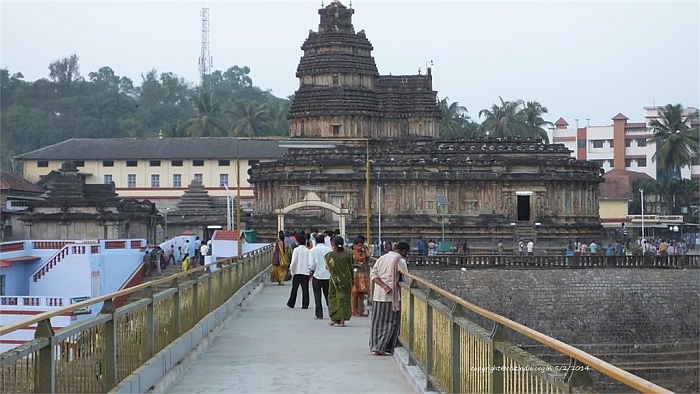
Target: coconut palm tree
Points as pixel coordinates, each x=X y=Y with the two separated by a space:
x=675 y=137
x=250 y=119
x=502 y=120
x=207 y=121
x=454 y=119
x=531 y=116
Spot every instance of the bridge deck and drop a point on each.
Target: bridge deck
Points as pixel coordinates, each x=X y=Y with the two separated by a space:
x=269 y=348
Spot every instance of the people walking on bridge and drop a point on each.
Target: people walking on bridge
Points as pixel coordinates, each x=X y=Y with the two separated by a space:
x=281 y=257
x=360 y=284
x=339 y=264
x=386 y=299
x=300 y=273
x=319 y=273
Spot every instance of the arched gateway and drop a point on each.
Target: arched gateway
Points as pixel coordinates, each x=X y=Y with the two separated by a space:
x=309 y=201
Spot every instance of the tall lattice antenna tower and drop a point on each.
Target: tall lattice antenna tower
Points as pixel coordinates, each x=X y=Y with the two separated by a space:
x=205 y=60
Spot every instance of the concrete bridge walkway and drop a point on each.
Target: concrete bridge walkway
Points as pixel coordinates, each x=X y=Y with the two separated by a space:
x=270 y=348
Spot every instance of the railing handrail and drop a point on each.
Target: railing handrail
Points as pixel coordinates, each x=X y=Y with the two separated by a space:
x=57 y=312
x=601 y=366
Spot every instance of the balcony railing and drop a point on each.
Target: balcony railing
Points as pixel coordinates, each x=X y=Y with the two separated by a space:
x=652 y=219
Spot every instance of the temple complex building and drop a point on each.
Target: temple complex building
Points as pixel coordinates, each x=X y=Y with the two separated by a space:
x=381 y=156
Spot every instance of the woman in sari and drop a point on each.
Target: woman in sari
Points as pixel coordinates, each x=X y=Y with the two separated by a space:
x=281 y=257
x=339 y=264
x=360 y=284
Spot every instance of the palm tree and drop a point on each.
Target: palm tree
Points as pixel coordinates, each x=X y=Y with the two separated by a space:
x=531 y=116
x=454 y=119
x=279 y=124
x=502 y=120
x=207 y=122
x=250 y=119
x=675 y=137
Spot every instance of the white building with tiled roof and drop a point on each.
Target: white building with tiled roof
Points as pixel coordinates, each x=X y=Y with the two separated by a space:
x=158 y=169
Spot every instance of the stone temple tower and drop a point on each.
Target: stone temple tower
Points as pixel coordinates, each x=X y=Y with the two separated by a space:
x=341 y=93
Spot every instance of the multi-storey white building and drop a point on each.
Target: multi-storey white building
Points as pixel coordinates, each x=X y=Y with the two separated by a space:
x=622 y=145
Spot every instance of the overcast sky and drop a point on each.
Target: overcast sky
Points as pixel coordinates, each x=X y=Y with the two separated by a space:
x=580 y=60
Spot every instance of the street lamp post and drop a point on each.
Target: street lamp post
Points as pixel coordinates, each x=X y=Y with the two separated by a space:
x=166 y=222
x=641 y=192
x=379 y=208
x=228 y=207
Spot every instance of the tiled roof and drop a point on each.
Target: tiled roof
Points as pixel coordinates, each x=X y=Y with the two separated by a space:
x=156 y=149
x=225 y=235
x=561 y=122
x=620 y=116
x=635 y=125
x=12 y=181
x=618 y=184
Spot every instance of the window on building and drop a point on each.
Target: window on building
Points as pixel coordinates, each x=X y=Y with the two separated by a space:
x=80 y=163
x=108 y=179
x=107 y=163
x=597 y=143
x=581 y=144
x=154 y=163
x=253 y=162
x=2 y=282
x=199 y=177
x=336 y=80
x=642 y=162
x=155 y=180
x=176 y=163
x=611 y=143
x=177 y=180
x=641 y=142
x=42 y=163
x=132 y=163
x=198 y=163
x=336 y=129
x=628 y=143
x=628 y=163
x=7 y=231
x=224 y=163
x=223 y=180
x=131 y=180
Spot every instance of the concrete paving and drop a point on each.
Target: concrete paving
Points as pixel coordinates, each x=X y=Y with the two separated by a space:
x=270 y=348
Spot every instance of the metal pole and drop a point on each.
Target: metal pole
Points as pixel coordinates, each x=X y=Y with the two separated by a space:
x=641 y=191
x=379 y=206
x=166 y=222
x=238 y=195
x=368 y=208
x=443 y=224
x=228 y=208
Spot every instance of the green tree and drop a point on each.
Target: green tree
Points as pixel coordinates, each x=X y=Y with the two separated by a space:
x=66 y=70
x=534 y=123
x=503 y=121
x=675 y=137
x=250 y=119
x=207 y=122
x=454 y=122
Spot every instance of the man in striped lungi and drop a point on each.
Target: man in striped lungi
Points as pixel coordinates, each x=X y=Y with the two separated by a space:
x=386 y=299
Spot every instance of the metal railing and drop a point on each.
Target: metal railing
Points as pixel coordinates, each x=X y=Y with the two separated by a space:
x=96 y=354
x=485 y=261
x=459 y=356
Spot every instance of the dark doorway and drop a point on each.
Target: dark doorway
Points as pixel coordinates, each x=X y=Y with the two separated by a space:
x=523 y=208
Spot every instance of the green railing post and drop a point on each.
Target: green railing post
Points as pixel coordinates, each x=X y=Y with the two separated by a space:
x=110 y=347
x=429 y=341
x=45 y=375
x=175 y=284
x=411 y=321
x=456 y=312
x=150 y=342
x=498 y=334
x=210 y=294
x=195 y=299
x=577 y=375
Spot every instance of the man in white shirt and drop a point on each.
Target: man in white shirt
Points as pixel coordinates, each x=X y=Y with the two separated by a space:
x=530 y=248
x=386 y=299
x=320 y=277
x=299 y=268
x=327 y=238
x=312 y=237
x=203 y=251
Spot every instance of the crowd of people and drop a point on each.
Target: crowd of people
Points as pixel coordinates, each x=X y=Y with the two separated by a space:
x=341 y=276
x=640 y=247
x=187 y=256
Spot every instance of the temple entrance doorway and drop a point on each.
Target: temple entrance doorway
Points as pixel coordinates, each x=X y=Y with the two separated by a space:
x=523 y=207
x=309 y=201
